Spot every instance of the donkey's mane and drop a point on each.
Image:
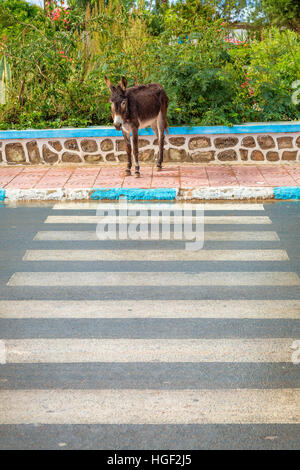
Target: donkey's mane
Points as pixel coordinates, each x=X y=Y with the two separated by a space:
x=142 y=87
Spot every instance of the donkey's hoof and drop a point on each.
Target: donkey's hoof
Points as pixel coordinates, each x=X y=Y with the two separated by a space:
x=127 y=172
x=137 y=174
x=159 y=168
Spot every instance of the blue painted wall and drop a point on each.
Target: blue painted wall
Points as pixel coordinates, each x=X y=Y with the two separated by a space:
x=252 y=128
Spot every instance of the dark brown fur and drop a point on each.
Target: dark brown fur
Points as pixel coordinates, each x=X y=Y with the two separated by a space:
x=135 y=107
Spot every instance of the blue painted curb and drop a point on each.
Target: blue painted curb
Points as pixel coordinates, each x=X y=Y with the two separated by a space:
x=287 y=192
x=251 y=128
x=2 y=194
x=135 y=194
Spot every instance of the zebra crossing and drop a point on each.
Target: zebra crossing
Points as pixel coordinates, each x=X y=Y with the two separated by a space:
x=149 y=360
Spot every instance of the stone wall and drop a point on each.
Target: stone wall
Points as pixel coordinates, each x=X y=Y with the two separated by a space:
x=217 y=148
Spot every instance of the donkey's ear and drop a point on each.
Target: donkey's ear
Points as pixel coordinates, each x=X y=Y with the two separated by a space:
x=109 y=84
x=123 y=83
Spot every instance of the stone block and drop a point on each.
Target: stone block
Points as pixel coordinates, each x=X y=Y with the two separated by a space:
x=285 y=142
x=33 y=152
x=272 y=156
x=71 y=144
x=224 y=142
x=266 y=141
x=248 y=141
x=203 y=157
x=289 y=155
x=257 y=156
x=146 y=155
x=122 y=157
x=199 y=142
x=68 y=157
x=15 y=153
x=176 y=155
x=143 y=143
x=227 y=155
x=243 y=154
x=177 y=141
x=48 y=155
x=93 y=158
x=120 y=145
x=106 y=145
x=110 y=157
x=56 y=145
x=89 y=145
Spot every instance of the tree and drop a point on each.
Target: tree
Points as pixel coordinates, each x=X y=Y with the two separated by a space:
x=12 y=11
x=282 y=13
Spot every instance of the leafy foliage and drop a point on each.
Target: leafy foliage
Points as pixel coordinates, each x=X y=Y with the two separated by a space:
x=58 y=57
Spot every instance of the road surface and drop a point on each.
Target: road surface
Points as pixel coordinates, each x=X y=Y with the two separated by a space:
x=126 y=344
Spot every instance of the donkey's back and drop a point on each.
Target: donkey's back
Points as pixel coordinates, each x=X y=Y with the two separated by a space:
x=147 y=102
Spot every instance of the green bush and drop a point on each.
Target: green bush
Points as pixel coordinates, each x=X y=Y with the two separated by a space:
x=57 y=63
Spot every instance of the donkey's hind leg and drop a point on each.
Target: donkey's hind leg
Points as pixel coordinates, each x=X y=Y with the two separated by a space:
x=155 y=130
x=161 y=140
x=135 y=145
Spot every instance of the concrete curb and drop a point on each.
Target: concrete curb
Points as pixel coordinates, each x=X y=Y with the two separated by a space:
x=226 y=192
x=201 y=194
x=135 y=194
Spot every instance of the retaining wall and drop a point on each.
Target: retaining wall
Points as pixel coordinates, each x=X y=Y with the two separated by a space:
x=253 y=143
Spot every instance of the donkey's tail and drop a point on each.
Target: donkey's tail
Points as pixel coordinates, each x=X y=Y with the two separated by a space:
x=166 y=126
x=164 y=109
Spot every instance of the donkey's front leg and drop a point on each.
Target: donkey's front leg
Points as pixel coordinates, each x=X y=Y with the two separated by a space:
x=135 y=144
x=126 y=136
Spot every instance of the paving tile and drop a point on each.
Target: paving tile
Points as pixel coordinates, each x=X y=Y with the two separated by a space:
x=277 y=176
x=193 y=177
x=108 y=183
x=11 y=170
x=249 y=176
x=132 y=182
x=295 y=174
x=168 y=177
x=144 y=182
x=7 y=174
x=25 y=180
x=82 y=183
x=220 y=175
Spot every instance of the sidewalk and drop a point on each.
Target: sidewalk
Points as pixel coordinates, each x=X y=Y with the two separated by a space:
x=190 y=181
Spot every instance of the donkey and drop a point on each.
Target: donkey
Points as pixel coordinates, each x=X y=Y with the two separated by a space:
x=137 y=107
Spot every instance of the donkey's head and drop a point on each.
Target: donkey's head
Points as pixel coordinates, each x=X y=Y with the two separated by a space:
x=119 y=102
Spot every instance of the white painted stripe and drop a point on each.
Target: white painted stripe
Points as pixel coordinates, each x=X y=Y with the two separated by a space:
x=85 y=235
x=287 y=309
x=155 y=255
x=148 y=350
x=94 y=205
x=94 y=219
x=239 y=406
x=71 y=278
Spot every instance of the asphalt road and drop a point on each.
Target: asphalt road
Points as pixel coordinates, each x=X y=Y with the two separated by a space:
x=153 y=351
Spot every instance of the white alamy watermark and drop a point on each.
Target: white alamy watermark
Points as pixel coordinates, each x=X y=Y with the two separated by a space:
x=125 y=220
x=2 y=352
x=296 y=353
x=296 y=87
